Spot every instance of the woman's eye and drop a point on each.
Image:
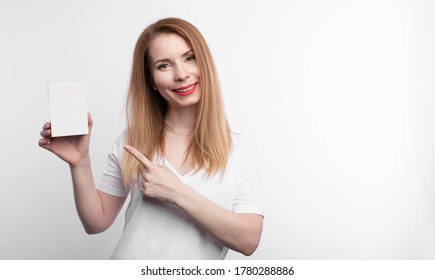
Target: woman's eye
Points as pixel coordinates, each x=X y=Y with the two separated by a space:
x=190 y=58
x=163 y=66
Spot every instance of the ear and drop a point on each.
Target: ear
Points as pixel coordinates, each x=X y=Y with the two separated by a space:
x=152 y=84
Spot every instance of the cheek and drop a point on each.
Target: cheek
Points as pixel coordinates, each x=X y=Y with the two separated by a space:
x=195 y=72
x=162 y=79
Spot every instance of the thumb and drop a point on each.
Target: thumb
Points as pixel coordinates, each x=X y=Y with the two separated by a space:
x=90 y=123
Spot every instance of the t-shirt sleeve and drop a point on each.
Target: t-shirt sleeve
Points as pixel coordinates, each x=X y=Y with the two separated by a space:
x=111 y=181
x=247 y=191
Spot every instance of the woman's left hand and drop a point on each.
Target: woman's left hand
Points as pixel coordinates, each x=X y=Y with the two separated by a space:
x=157 y=180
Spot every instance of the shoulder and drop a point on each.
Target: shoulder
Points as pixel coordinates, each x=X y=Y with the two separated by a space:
x=121 y=140
x=243 y=140
x=118 y=146
x=244 y=145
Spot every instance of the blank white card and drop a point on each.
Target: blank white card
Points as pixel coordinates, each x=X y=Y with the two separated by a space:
x=68 y=109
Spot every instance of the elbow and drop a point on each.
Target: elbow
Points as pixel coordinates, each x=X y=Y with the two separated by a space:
x=250 y=244
x=252 y=239
x=92 y=227
x=93 y=230
x=90 y=232
x=250 y=248
x=248 y=252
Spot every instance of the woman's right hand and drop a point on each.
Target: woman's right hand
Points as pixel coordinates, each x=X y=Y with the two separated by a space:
x=72 y=149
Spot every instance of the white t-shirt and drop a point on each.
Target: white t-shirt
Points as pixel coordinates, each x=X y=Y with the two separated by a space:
x=160 y=230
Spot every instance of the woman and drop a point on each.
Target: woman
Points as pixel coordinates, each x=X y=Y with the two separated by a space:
x=193 y=183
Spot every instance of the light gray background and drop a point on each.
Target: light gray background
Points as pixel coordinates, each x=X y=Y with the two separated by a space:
x=339 y=94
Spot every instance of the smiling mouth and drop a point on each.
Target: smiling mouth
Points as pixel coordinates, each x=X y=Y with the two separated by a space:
x=183 y=91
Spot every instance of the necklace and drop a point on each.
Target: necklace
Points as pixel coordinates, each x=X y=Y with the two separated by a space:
x=170 y=129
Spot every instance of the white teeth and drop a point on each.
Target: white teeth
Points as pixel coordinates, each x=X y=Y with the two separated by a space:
x=185 y=90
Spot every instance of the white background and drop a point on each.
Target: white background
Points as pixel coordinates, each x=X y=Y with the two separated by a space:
x=339 y=95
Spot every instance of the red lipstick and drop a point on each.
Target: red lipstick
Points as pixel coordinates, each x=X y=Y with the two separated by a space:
x=186 y=90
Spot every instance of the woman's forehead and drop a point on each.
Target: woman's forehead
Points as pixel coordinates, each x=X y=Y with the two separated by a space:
x=167 y=45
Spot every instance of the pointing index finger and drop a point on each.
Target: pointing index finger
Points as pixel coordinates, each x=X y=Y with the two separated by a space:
x=139 y=156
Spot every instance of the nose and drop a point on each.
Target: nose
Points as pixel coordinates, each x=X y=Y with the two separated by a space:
x=181 y=73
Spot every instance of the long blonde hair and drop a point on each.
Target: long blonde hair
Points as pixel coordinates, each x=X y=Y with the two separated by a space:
x=211 y=142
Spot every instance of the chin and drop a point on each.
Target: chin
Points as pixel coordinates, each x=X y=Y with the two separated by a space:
x=188 y=101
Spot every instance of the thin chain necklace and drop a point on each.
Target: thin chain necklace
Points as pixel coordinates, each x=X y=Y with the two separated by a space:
x=170 y=129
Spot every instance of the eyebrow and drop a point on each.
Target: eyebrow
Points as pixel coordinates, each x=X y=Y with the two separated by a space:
x=167 y=59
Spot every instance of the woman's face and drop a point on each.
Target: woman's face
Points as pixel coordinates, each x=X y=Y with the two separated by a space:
x=174 y=71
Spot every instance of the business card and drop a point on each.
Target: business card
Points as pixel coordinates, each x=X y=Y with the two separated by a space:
x=68 y=109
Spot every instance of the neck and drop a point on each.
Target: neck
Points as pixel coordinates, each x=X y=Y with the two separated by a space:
x=181 y=120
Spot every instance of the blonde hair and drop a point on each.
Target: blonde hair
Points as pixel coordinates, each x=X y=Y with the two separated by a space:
x=211 y=142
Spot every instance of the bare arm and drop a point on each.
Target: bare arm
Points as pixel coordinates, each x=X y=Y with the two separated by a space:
x=240 y=232
x=97 y=210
